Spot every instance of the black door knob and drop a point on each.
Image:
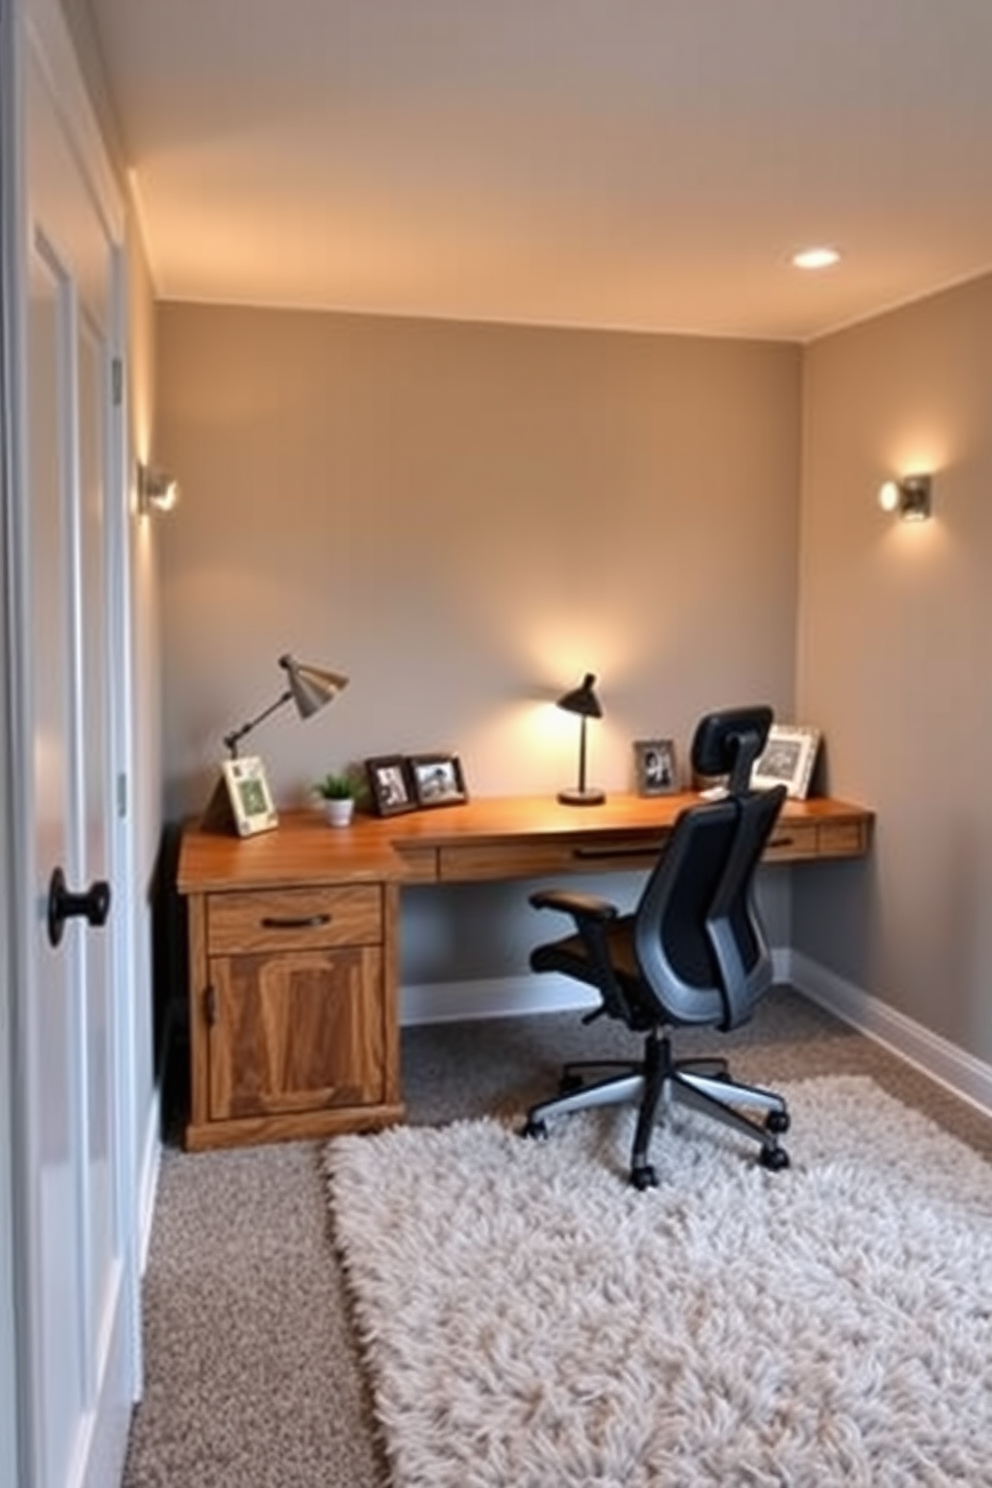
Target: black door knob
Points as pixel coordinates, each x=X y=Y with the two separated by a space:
x=93 y=905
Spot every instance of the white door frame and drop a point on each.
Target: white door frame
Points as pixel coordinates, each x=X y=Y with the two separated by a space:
x=19 y=1376
x=14 y=1454
x=8 y=1353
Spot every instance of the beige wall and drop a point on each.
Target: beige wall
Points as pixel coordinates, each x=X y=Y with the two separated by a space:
x=464 y=518
x=892 y=663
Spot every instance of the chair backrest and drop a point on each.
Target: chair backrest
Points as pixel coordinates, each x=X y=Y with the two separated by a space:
x=699 y=940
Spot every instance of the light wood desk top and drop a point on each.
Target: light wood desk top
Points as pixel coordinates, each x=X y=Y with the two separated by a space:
x=491 y=838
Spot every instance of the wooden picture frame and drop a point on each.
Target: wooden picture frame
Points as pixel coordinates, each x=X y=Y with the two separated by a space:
x=390 y=784
x=242 y=801
x=437 y=780
x=656 y=767
x=787 y=759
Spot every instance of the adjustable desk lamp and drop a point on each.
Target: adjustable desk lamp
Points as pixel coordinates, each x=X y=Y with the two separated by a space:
x=583 y=701
x=241 y=798
x=309 y=687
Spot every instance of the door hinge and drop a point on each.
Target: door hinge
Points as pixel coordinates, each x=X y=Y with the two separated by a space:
x=117 y=381
x=210 y=1006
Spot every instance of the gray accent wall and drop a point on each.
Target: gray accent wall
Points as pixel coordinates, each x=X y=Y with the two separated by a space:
x=464 y=518
x=893 y=656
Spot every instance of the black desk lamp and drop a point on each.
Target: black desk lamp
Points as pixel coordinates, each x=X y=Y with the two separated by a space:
x=583 y=701
x=309 y=687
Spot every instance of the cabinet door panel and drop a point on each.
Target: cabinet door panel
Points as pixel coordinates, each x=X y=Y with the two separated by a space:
x=296 y=1032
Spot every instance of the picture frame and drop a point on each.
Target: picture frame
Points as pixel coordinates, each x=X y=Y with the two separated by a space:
x=437 y=780
x=787 y=759
x=656 y=767
x=390 y=785
x=242 y=801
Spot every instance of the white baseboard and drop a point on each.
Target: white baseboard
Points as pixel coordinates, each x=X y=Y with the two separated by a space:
x=151 y=1156
x=505 y=997
x=509 y=997
x=495 y=997
x=947 y=1063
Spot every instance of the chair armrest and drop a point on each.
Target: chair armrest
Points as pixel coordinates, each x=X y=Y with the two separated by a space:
x=582 y=907
x=592 y=917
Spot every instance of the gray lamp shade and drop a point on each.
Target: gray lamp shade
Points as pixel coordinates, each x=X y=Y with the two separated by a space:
x=311 y=686
x=308 y=687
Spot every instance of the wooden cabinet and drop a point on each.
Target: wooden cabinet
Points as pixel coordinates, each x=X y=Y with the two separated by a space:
x=294 y=1029
x=294 y=1001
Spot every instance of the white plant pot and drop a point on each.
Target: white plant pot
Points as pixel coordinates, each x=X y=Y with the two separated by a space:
x=339 y=813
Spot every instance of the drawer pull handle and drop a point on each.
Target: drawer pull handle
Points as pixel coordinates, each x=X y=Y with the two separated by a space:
x=592 y=853
x=300 y=922
x=781 y=842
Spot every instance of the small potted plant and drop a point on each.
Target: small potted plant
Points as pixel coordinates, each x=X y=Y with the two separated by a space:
x=337 y=790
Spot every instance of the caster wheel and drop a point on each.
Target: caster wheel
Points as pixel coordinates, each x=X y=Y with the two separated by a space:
x=536 y=1130
x=644 y=1177
x=777 y=1122
x=774 y=1158
x=569 y=1084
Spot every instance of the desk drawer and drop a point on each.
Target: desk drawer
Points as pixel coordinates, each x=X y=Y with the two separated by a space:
x=293 y=919
x=842 y=839
x=420 y=862
x=463 y=864
x=792 y=840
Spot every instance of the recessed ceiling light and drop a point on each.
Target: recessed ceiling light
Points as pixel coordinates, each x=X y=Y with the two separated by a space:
x=816 y=258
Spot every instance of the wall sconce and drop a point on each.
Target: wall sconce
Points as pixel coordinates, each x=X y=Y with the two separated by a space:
x=309 y=687
x=910 y=497
x=157 y=490
x=584 y=702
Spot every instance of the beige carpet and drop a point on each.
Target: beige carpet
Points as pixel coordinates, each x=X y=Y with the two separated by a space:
x=530 y=1321
x=253 y=1376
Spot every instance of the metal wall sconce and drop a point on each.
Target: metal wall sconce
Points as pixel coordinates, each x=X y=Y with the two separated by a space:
x=910 y=497
x=309 y=687
x=584 y=702
x=157 y=490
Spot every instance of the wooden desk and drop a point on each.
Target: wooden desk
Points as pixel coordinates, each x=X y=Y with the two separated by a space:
x=294 y=940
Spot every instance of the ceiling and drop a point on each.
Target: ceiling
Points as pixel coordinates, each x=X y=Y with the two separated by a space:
x=640 y=164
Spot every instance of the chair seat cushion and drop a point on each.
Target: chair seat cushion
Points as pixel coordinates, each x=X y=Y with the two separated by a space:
x=570 y=956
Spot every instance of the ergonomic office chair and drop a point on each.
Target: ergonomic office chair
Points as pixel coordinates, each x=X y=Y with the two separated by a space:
x=693 y=952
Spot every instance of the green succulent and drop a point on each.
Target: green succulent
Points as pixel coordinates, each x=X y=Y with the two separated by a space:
x=336 y=787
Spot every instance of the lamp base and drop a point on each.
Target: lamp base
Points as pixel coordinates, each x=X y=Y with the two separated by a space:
x=588 y=796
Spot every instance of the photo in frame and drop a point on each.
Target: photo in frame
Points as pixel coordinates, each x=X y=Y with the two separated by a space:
x=437 y=779
x=242 y=801
x=390 y=784
x=787 y=759
x=655 y=767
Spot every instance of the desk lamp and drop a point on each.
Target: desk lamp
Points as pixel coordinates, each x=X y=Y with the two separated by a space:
x=583 y=701
x=309 y=687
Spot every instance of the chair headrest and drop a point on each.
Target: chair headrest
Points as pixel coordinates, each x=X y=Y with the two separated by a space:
x=729 y=742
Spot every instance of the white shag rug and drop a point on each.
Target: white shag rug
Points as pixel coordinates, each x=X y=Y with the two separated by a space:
x=531 y=1321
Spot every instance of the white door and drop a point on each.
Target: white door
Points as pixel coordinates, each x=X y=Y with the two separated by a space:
x=77 y=1262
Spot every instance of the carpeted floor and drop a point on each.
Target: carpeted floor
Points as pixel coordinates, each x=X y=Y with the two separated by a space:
x=253 y=1378
x=530 y=1319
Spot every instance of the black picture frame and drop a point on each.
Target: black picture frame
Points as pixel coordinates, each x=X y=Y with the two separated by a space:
x=437 y=780
x=656 y=767
x=390 y=785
